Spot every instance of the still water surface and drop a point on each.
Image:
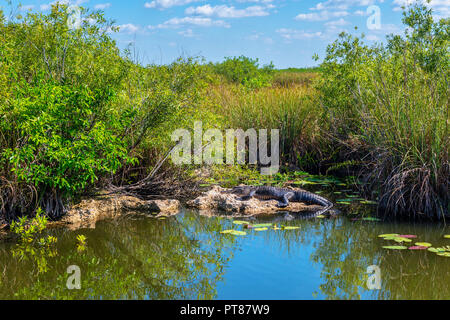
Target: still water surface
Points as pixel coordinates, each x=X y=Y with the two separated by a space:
x=186 y=257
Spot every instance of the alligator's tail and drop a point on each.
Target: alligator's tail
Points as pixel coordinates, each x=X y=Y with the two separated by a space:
x=305 y=196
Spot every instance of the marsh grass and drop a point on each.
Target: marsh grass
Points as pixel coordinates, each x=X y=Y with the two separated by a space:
x=287 y=79
x=291 y=110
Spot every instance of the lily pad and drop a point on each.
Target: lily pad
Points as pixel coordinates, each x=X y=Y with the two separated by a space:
x=241 y=222
x=418 y=248
x=436 y=250
x=234 y=232
x=262 y=225
x=290 y=228
x=400 y=239
x=343 y=202
x=395 y=247
x=261 y=229
x=388 y=235
x=447 y=236
x=320 y=216
x=444 y=254
x=409 y=236
x=424 y=244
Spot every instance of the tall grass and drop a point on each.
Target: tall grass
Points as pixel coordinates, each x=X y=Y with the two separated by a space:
x=291 y=110
x=287 y=79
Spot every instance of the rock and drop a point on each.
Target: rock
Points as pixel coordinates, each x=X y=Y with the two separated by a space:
x=217 y=199
x=86 y=213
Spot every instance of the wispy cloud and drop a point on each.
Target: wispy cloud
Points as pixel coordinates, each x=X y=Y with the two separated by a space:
x=321 y=16
x=165 y=4
x=188 y=33
x=128 y=28
x=223 y=11
x=196 y=21
x=102 y=6
x=292 y=34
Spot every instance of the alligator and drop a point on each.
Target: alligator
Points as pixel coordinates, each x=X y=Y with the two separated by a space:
x=283 y=196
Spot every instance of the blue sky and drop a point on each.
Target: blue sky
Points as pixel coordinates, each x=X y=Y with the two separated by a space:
x=287 y=32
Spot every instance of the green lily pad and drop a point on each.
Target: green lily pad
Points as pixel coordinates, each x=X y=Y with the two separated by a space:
x=343 y=202
x=400 y=239
x=388 y=235
x=447 y=236
x=436 y=250
x=444 y=254
x=290 y=228
x=262 y=225
x=261 y=229
x=424 y=244
x=395 y=247
x=240 y=222
x=234 y=232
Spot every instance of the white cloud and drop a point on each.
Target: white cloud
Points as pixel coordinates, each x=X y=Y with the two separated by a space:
x=343 y=4
x=321 y=16
x=164 y=4
x=337 y=23
x=291 y=34
x=255 y=1
x=360 y=13
x=223 y=11
x=197 y=21
x=188 y=33
x=102 y=6
x=128 y=28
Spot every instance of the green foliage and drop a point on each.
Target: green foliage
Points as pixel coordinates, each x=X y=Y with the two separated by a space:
x=68 y=136
x=31 y=246
x=81 y=245
x=245 y=71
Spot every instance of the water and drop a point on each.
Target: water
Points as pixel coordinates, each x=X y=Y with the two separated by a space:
x=186 y=257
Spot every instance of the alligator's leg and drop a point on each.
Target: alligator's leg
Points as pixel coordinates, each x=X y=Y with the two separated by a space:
x=285 y=200
x=249 y=196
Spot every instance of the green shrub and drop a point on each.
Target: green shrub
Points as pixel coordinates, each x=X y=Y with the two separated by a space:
x=245 y=71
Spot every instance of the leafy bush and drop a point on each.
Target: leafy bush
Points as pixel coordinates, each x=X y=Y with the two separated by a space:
x=67 y=137
x=245 y=71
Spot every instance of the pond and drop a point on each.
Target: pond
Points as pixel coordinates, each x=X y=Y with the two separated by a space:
x=186 y=257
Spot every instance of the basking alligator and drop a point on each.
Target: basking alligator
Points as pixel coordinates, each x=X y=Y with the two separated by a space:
x=282 y=195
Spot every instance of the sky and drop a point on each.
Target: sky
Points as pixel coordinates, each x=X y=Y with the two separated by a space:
x=285 y=32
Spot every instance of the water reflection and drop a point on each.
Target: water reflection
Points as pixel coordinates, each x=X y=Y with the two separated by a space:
x=185 y=257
